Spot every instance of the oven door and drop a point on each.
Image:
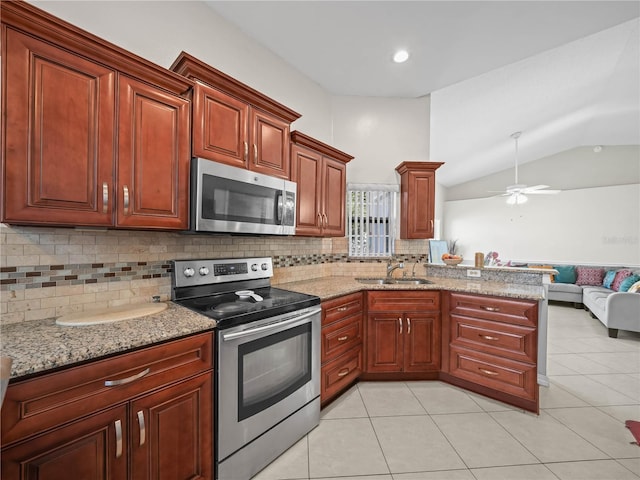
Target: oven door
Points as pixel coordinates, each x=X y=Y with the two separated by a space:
x=267 y=370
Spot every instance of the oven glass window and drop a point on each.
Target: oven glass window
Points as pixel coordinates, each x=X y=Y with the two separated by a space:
x=271 y=368
x=230 y=200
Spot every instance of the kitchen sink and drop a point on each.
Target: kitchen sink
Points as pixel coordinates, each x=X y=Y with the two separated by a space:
x=394 y=281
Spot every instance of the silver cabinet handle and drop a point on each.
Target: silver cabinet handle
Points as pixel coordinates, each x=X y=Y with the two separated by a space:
x=125 y=191
x=490 y=309
x=319 y=223
x=143 y=430
x=325 y=221
x=489 y=337
x=488 y=372
x=342 y=309
x=118 y=425
x=246 y=151
x=105 y=197
x=255 y=153
x=408 y=325
x=123 y=381
x=400 y=322
x=343 y=372
x=342 y=339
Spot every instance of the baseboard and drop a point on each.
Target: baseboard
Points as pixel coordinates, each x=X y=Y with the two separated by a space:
x=543 y=380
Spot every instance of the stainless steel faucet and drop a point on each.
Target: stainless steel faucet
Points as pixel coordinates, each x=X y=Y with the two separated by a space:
x=413 y=271
x=391 y=267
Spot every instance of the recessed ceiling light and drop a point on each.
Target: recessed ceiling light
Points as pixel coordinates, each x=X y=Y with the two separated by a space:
x=400 y=56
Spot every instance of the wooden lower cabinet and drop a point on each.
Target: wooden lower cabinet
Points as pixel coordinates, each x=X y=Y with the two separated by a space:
x=491 y=347
x=341 y=344
x=406 y=340
x=156 y=421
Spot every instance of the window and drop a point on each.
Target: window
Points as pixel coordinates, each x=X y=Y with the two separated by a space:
x=371 y=220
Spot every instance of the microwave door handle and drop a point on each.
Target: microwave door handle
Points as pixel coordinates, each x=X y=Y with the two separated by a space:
x=280 y=206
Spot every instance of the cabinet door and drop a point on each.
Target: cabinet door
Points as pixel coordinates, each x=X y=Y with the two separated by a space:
x=172 y=432
x=422 y=342
x=385 y=342
x=91 y=449
x=59 y=135
x=153 y=159
x=269 y=152
x=420 y=204
x=306 y=172
x=220 y=127
x=334 y=194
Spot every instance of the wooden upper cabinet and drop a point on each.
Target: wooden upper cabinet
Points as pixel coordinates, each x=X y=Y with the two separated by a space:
x=320 y=172
x=417 y=198
x=81 y=119
x=153 y=157
x=235 y=124
x=59 y=148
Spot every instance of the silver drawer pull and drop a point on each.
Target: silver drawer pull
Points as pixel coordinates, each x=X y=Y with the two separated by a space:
x=490 y=309
x=342 y=339
x=123 y=381
x=105 y=197
x=489 y=337
x=400 y=322
x=143 y=430
x=344 y=372
x=255 y=153
x=408 y=326
x=342 y=309
x=118 y=425
x=488 y=372
x=246 y=151
x=125 y=193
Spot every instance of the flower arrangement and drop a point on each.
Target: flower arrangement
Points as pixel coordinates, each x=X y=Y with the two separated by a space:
x=491 y=259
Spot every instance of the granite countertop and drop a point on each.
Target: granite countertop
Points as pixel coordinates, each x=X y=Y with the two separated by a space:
x=331 y=287
x=40 y=345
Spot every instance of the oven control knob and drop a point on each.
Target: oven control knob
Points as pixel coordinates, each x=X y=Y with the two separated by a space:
x=254 y=267
x=264 y=266
x=189 y=272
x=203 y=271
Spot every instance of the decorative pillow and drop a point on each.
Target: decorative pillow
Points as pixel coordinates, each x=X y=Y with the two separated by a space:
x=620 y=276
x=546 y=267
x=608 y=278
x=566 y=273
x=627 y=282
x=589 y=276
x=635 y=288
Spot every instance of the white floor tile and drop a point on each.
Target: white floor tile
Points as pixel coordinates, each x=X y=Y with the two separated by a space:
x=345 y=447
x=592 y=392
x=490 y=405
x=623 y=412
x=621 y=382
x=414 y=444
x=592 y=470
x=554 y=396
x=444 y=399
x=632 y=464
x=621 y=362
x=548 y=439
x=481 y=441
x=579 y=363
x=348 y=405
x=603 y=431
x=517 y=472
x=389 y=399
x=442 y=475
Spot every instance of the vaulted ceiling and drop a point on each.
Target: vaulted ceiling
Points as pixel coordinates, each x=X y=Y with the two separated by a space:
x=565 y=73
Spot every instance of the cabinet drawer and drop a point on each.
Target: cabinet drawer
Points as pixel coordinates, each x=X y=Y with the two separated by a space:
x=501 y=374
x=340 y=373
x=403 y=300
x=40 y=403
x=340 y=336
x=512 y=341
x=514 y=311
x=342 y=307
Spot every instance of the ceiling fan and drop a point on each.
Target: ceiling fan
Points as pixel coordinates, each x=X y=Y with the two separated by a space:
x=517 y=193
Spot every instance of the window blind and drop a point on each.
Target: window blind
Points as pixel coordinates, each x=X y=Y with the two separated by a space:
x=371 y=220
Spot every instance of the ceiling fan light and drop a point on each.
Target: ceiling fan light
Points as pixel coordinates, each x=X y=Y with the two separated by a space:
x=401 y=56
x=517 y=199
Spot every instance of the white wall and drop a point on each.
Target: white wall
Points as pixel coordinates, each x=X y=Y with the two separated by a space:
x=584 y=226
x=159 y=30
x=380 y=133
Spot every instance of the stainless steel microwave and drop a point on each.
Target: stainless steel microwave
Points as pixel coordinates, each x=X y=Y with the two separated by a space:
x=233 y=200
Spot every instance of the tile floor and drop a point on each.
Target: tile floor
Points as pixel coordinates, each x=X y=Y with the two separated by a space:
x=431 y=430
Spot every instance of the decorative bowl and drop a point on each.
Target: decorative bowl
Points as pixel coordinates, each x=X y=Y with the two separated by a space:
x=452 y=261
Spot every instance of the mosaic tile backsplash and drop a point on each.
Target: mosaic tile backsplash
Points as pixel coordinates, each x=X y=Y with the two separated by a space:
x=47 y=272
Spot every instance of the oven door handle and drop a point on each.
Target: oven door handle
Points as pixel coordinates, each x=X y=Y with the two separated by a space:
x=271 y=326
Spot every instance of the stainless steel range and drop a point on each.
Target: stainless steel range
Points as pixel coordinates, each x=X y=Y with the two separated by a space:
x=267 y=388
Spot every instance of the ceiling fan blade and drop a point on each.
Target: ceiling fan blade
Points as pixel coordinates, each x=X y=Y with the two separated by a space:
x=535 y=187
x=543 y=192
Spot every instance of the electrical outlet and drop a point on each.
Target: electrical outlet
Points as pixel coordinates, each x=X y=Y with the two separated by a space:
x=473 y=273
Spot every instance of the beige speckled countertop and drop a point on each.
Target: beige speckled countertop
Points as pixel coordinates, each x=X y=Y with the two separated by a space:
x=331 y=287
x=41 y=345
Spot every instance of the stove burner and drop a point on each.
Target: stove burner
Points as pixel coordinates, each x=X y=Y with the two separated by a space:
x=229 y=308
